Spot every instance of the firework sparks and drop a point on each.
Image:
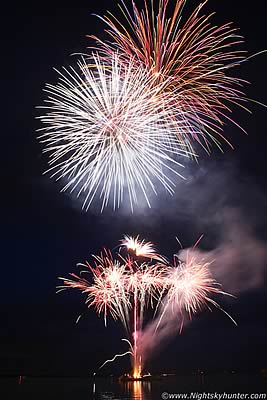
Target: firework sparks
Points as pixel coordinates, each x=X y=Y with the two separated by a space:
x=141 y=248
x=125 y=288
x=189 y=287
x=117 y=126
x=110 y=131
x=194 y=55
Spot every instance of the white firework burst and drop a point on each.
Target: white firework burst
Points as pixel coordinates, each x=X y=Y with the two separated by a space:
x=110 y=130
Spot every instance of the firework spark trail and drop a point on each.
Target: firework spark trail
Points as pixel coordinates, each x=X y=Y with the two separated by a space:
x=125 y=288
x=115 y=357
x=109 y=130
x=193 y=54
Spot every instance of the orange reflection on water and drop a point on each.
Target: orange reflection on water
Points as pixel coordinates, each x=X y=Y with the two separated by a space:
x=139 y=389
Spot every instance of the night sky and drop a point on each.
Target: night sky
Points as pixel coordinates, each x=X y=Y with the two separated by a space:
x=45 y=233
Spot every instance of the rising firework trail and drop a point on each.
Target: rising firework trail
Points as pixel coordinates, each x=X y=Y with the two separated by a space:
x=125 y=287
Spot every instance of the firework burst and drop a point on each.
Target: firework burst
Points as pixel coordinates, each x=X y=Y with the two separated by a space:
x=189 y=287
x=191 y=58
x=110 y=130
x=125 y=288
x=117 y=125
x=141 y=248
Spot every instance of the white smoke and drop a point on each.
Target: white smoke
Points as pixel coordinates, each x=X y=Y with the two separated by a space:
x=238 y=263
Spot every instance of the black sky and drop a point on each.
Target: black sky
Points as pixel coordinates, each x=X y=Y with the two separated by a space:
x=45 y=234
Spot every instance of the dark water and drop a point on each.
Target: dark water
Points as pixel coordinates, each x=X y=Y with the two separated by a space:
x=107 y=389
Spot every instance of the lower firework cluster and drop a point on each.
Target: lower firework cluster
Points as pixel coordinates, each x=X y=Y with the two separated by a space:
x=137 y=279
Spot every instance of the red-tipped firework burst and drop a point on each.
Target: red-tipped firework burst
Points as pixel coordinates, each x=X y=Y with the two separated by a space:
x=190 y=57
x=125 y=287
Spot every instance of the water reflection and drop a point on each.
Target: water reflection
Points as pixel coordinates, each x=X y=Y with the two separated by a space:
x=199 y=382
x=131 y=390
x=138 y=390
x=94 y=390
x=43 y=388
